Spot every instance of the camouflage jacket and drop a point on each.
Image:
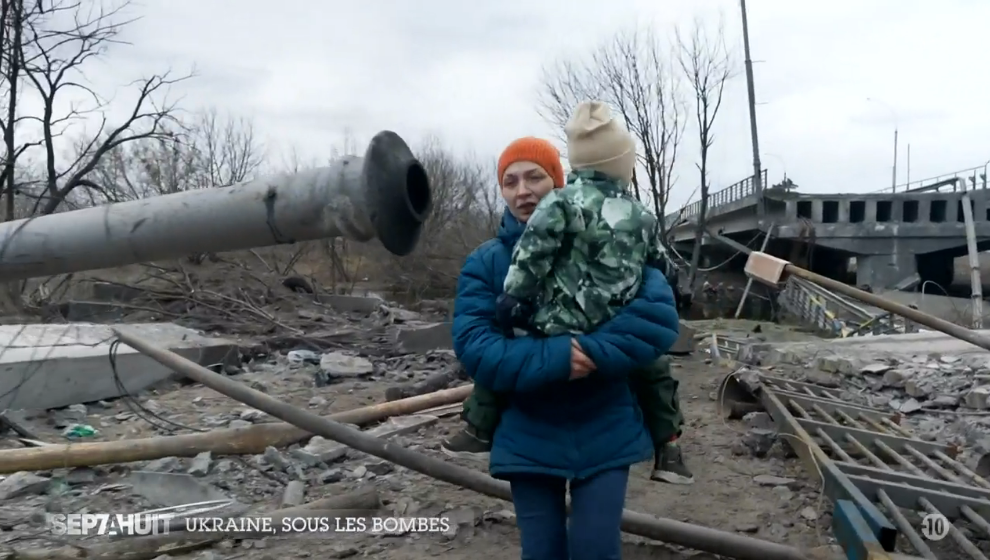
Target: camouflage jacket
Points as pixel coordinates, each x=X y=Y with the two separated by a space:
x=582 y=254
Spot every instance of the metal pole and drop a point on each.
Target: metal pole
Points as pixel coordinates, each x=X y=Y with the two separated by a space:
x=749 y=281
x=668 y=530
x=976 y=283
x=384 y=195
x=751 y=90
x=893 y=185
x=893 y=113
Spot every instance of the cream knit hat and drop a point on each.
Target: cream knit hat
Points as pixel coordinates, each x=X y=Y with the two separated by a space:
x=598 y=142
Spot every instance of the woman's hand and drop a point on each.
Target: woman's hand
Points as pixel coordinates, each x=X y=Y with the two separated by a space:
x=581 y=364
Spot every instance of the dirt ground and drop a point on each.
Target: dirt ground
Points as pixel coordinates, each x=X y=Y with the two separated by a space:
x=724 y=496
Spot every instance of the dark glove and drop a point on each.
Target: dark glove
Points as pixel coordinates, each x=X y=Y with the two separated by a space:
x=510 y=313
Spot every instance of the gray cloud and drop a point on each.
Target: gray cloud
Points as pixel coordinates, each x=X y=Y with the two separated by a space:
x=468 y=72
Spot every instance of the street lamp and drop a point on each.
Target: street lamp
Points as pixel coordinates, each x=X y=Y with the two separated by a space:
x=893 y=181
x=783 y=164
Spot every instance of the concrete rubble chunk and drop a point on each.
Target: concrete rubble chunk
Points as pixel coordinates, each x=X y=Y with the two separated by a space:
x=340 y=365
x=836 y=364
x=201 y=464
x=80 y=475
x=274 y=457
x=944 y=401
x=759 y=442
x=896 y=377
x=907 y=406
x=324 y=450
x=23 y=484
x=916 y=387
x=425 y=337
x=252 y=415
x=295 y=492
x=760 y=420
x=74 y=367
x=876 y=369
x=978 y=397
x=165 y=464
x=170 y=489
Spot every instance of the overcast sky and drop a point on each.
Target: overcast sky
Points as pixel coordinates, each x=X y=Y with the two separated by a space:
x=306 y=70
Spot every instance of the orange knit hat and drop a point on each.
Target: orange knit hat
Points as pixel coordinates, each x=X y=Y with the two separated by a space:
x=537 y=151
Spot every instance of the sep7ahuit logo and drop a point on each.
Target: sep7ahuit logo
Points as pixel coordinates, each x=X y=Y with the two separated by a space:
x=110 y=524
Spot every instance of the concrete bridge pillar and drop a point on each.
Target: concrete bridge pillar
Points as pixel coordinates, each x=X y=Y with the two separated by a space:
x=817 y=211
x=871 y=212
x=843 y=212
x=884 y=271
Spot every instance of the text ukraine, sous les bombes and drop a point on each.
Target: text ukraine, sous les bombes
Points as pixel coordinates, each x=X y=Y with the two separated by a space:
x=317 y=524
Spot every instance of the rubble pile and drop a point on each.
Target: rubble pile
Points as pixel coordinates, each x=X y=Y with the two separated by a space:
x=943 y=397
x=281 y=477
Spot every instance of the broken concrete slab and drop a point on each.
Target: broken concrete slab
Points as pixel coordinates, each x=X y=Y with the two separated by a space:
x=424 y=337
x=353 y=304
x=856 y=355
x=340 y=365
x=170 y=489
x=52 y=366
x=395 y=426
x=22 y=484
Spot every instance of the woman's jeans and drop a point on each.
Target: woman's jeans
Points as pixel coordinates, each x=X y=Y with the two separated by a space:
x=596 y=516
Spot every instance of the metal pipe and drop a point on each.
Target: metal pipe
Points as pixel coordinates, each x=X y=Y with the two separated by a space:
x=667 y=530
x=940 y=325
x=385 y=194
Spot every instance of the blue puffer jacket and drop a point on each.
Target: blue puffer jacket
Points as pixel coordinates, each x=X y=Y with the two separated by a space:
x=572 y=429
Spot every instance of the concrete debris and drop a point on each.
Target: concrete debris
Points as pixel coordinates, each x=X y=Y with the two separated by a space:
x=978 y=397
x=23 y=484
x=348 y=363
x=338 y=365
x=295 y=492
x=941 y=383
x=875 y=369
x=201 y=464
x=759 y=441
x=759 y=420
x=171 y=489
x=53 y=366
x=422 y=338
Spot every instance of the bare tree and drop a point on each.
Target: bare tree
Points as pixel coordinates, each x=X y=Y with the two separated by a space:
x=707 y=64
x=633 y=72
x=51 y=42
x=213 y=150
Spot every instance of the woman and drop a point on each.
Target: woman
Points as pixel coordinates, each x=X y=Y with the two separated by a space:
x=571 y=415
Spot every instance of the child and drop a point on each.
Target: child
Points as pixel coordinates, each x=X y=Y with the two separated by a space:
x=581 y=257
x=579 y=261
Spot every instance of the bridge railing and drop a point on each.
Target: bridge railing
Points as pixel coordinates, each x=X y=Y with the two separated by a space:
x=976 y=178
x=726 y=196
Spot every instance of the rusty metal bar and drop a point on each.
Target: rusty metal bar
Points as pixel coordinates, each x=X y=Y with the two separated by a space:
x=869 y=432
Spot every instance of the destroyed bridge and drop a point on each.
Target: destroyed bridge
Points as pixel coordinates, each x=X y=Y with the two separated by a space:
x=882 y=238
